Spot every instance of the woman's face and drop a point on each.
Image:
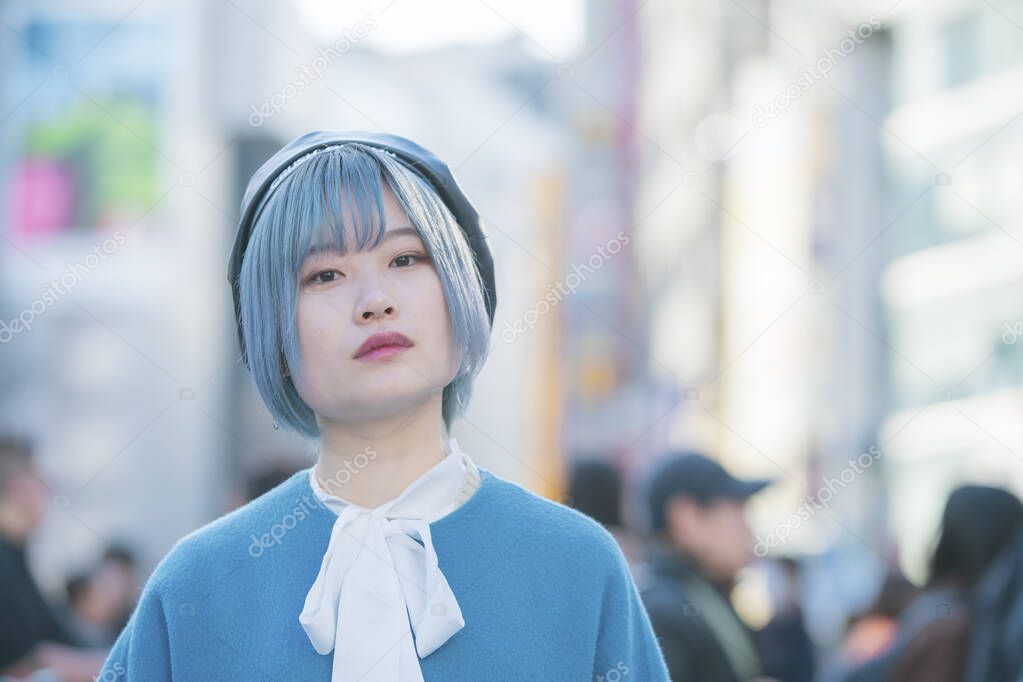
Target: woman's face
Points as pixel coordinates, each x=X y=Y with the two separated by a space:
x=344 y=299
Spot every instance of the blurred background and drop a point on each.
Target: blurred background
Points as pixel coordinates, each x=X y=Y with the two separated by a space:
x=786 y=234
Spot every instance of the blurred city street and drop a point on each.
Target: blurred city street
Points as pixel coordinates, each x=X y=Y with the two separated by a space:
x=787 y=235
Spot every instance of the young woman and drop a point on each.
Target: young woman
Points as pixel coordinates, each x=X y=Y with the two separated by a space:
x=365 y=298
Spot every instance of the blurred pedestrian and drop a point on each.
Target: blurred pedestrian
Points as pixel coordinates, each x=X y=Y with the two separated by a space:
x=785 y=645
x=996 y=612
x=700 y=540
x=118 y=576
x=31 y=636
x=100 y=599
x=87 y=612
x=872 y=631
x=933 y=640
x=595 y=489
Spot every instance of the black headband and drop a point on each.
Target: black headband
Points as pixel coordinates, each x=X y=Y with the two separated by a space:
x=422 y=161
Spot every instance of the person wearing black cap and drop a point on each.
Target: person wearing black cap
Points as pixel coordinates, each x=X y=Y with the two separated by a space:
x=699 y=542
x=364 y=294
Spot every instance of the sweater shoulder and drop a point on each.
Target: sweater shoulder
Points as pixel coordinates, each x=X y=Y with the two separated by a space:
x=552 y=529
x=225 y=544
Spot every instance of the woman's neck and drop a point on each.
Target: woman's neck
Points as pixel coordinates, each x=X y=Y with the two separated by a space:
x=369 y=464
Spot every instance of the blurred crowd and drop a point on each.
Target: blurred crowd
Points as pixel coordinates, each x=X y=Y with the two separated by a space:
x=62 y=636
x=963 y=624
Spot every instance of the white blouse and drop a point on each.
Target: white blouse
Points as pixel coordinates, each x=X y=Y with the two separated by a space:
x=379 y=570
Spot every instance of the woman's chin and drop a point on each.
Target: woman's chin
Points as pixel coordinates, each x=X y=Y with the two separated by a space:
x=382 y=405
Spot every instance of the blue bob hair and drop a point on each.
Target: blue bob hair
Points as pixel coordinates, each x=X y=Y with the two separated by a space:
x=304 y=213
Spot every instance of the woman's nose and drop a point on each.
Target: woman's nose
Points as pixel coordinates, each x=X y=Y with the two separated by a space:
x=375 y=304
x=369 y=312
x=373 y=296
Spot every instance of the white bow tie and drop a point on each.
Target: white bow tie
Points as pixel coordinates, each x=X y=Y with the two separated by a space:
x=380 y=572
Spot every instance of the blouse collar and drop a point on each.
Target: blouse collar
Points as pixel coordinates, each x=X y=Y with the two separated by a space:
x=380 y=571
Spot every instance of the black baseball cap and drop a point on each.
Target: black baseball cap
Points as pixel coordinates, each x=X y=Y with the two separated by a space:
x=435 y=171
x=697 y=476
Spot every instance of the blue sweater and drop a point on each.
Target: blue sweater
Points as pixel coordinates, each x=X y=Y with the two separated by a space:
x=545 y=592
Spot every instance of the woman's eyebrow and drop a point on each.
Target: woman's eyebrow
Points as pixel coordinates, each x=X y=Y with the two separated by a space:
x=399 y=232
x=330 y=249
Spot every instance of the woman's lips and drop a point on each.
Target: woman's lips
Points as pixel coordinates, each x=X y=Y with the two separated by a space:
x=382 y=345
x=382 y=352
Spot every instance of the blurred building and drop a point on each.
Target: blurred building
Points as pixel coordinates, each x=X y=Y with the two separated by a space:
x=113 y=242
x=953 y=286
x=607 y=394
x=843 y=318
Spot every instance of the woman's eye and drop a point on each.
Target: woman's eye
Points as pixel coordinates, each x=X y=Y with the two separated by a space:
x=324 y=277
x=407 y=259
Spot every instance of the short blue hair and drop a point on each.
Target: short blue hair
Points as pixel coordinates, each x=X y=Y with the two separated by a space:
x=308 y=210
